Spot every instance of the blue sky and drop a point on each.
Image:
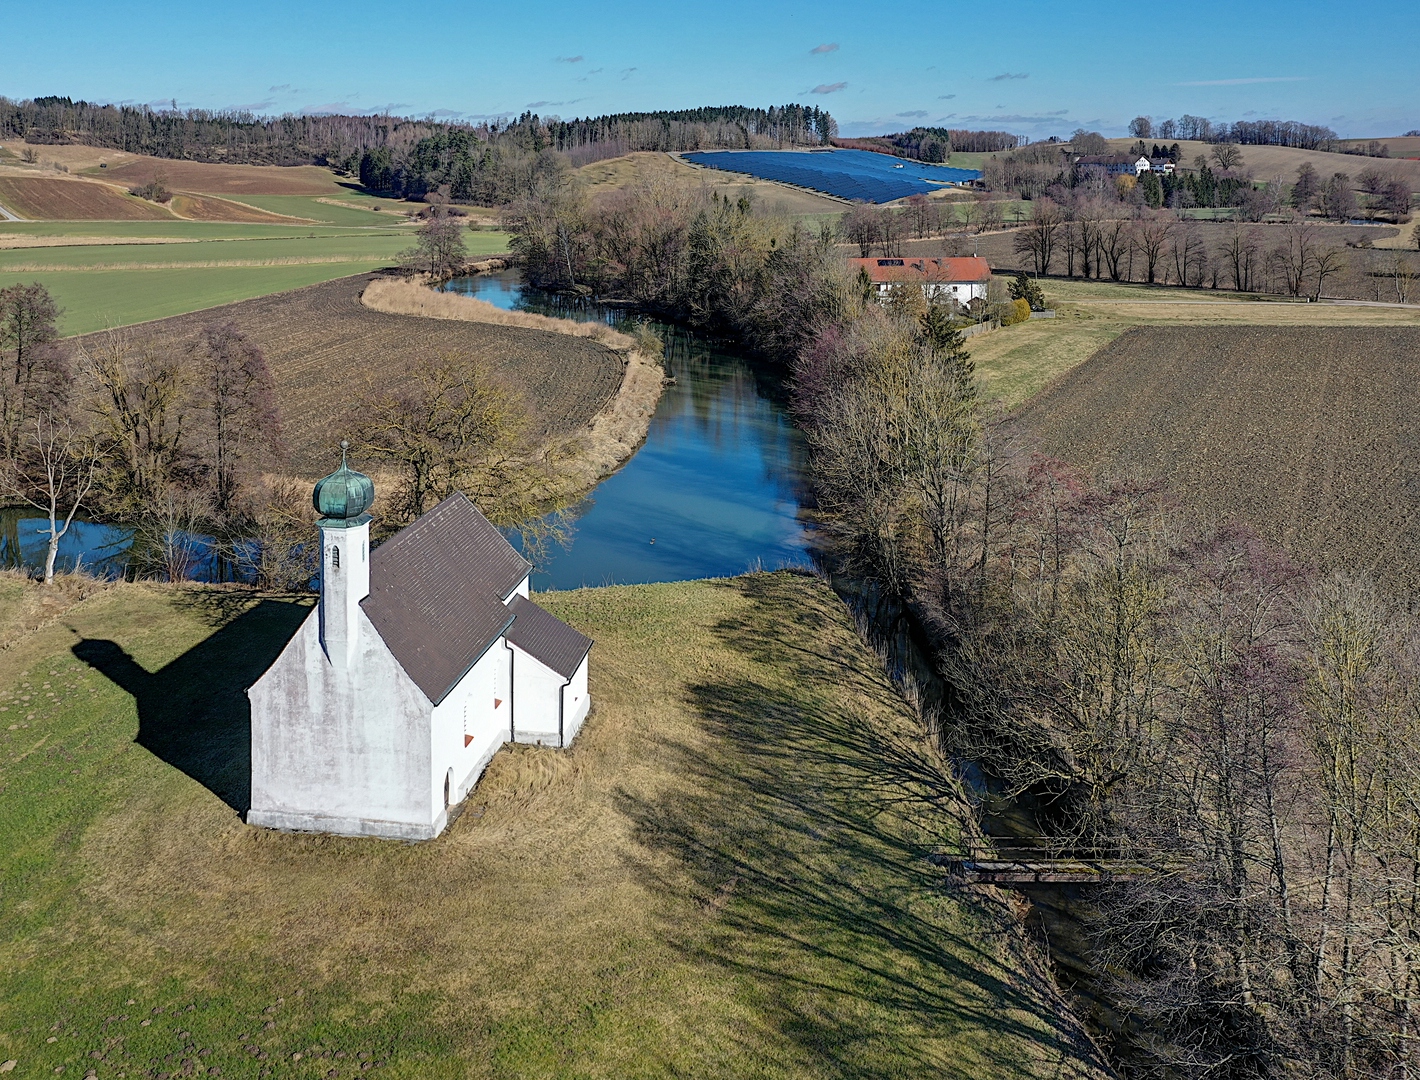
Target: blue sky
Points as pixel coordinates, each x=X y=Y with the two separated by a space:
x=1033 y=68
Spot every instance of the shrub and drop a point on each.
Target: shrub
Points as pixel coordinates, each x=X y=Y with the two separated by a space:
x=1017 y=311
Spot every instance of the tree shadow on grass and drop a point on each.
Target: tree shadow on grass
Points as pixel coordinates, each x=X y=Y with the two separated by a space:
x=807 y=830
x=193 y=712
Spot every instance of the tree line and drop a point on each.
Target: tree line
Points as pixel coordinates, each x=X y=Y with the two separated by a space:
x=1254 y=132
x=487 y=163
x=934 y=144
x=180 y=439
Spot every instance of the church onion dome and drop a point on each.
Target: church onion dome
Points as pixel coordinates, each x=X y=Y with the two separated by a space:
x=342 y=498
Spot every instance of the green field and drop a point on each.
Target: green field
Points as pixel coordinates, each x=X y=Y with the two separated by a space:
x=726 y=876
x=103 y=285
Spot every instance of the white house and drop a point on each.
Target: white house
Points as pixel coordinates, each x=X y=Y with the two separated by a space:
x=962 y=280
x=422 y=658
x=1158 y=165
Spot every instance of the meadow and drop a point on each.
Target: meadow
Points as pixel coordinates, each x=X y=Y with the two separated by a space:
x=726 y=876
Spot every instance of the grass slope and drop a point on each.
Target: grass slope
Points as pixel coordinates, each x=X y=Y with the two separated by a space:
x=725 y=877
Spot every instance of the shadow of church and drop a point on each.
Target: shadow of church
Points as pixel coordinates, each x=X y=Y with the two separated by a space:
x=193 y=712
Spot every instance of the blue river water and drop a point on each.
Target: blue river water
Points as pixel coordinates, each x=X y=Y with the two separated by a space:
x=716 y=489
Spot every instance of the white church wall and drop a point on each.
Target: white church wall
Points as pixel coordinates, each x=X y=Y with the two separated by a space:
x=468 y=728
x=538 y=693
x=340 y=748
x=576 y=702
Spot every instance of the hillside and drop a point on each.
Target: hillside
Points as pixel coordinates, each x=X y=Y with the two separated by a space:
x=1270 y=162
x=615 y=174
x=726 y=875
x=1307 y=434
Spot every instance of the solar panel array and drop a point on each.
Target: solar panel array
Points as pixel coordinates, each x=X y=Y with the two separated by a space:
x=849 y=174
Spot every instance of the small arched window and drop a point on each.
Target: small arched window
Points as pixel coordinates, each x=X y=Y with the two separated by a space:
x=335 y=558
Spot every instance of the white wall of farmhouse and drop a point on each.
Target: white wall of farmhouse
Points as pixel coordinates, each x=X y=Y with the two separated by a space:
x=341 y=748
x=468 y=727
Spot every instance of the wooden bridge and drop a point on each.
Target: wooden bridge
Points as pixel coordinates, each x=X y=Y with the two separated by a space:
x=1041 y=870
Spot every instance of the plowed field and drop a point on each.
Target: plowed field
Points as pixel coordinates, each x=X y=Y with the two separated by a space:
x=44 y=198
x=206 y=208
x=1309 y=435
x=328 y=352
x=226 y=179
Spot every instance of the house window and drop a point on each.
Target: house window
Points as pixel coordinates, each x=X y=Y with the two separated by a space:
x=335 y=558
x=467 y=738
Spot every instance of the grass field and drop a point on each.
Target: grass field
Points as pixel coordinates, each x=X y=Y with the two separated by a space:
x=1305 y=433
x=146 y=282
x=1271 y=162
x=725 y=877
x=1016 y=362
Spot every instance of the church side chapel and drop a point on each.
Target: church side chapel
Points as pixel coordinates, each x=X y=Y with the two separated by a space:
x=422 y=658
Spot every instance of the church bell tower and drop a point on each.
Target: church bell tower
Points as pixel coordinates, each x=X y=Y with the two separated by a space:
x=342 y=500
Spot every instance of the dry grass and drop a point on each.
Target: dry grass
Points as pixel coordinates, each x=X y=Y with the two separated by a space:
x=12 y=241
x=724 y=877
x=614 y=174
x=27 y=607
x=232 y=180
x=400 y=296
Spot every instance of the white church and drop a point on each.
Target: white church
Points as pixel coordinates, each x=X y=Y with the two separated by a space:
x=422 y=658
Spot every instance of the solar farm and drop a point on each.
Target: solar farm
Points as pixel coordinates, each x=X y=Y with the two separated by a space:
x=859 y=175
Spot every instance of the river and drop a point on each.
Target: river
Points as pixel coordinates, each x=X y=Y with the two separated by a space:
x=715 y=490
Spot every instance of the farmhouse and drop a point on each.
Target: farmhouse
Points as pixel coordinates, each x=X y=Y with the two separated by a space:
x=962 y=280
x=421 y=659
x=1158 y=165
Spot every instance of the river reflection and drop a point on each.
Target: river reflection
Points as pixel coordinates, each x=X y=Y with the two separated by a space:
x=716 y=488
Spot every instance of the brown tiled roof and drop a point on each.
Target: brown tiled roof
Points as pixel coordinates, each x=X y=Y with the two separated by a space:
x=924 y=271
x=437 y=590
x=547 y=637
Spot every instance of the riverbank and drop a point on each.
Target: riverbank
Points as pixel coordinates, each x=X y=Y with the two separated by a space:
x=579 y=463
x=727 y=875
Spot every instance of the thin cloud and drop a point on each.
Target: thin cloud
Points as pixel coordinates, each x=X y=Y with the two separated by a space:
x=627 y=73
x=1005 y=75
x=284 y=88
x=1245 y=82
x=945 y=97
x=828 y=88
x=570 y=59
x=827 y=47
x=554 y=104
x=914 y=114
x=255 y=106
x=446 y=114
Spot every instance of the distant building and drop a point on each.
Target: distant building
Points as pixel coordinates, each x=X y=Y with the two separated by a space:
x=962 y=280
x=1108 y=164
x=1163 y=166
x=422 y=658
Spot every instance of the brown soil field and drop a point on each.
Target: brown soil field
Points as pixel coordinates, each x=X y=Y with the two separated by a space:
x=233 y=180
x=1310 y=435
x=613 y=174
x=327 y=352
x=207 y=208
x=46 y=198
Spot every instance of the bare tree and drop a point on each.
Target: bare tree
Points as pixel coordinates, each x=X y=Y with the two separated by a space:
x=36 y=375
x=1241 y=255
x=1038 y=238
x=1228 y=156
x=1190 y=254
x=53 y=469
x=235 y=391
x=440 y=250
x=862 y=226
x=1151 y=236
x=452 y=426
